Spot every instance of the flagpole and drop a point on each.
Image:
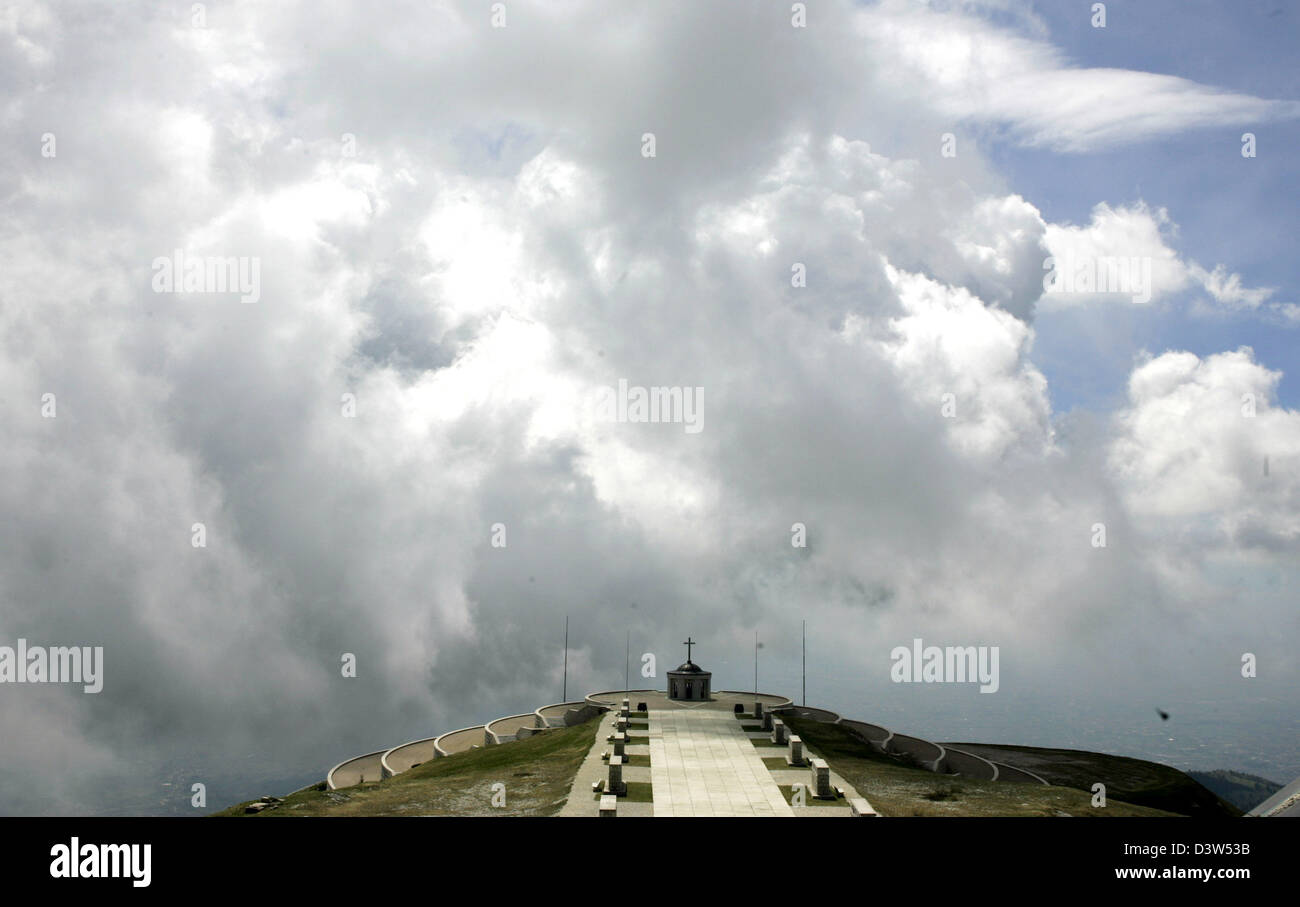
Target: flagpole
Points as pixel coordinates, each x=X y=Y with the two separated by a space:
x=804 y=696
x=564 y=696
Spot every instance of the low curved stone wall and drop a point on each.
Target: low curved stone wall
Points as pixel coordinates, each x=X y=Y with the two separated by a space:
x=873 y=735
x=1011 y=773
x=408 y=756
x=614 y=698
x=968 y=765
x=553 y=715
x=503 y=730
x=383 y=764
x=927 y=754
x=355 y=770
x=924 y=753
x=582 y=714
x=824 y=716
x=770 y=701
x=458 y=741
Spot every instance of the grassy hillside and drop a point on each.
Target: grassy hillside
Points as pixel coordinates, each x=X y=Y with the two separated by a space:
x=1242 y=790
x=897 y=788
x=1131 y=780
x=537 y=773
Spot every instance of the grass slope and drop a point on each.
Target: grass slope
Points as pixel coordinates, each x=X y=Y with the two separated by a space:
x=1241 y=789
x=896 y=788
x=1131 y=780
x=537 y=773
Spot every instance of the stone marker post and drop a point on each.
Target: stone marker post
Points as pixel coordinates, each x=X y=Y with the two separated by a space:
x=821 y=779
x=795 y=756
x=616 y=784
x=778 y=731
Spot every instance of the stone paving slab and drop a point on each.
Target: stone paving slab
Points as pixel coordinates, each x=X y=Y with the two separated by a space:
x=702 y=764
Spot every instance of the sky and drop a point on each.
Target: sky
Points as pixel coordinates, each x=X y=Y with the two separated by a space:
x=460 y=233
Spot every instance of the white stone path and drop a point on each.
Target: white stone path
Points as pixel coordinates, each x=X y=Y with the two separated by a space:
x=702 y=764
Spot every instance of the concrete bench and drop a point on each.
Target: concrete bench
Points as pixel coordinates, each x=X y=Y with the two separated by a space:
x=608 y=805
x=860 y=807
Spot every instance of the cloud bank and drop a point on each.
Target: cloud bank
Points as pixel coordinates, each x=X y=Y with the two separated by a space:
x=437 y=309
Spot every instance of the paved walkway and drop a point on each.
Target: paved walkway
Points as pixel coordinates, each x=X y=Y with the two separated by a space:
x=702 y=764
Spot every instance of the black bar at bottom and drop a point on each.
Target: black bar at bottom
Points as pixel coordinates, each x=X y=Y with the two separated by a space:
x=508 y=856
